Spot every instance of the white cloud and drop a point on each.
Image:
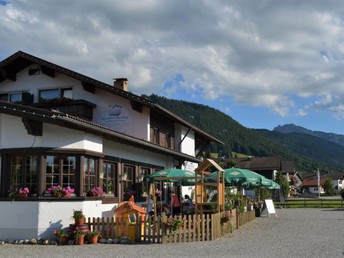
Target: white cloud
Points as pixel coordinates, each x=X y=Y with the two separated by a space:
x=259 y=53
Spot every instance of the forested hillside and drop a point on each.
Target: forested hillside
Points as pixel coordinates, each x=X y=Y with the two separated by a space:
x=308 y=155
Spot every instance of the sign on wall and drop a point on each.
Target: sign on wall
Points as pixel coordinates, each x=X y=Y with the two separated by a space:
x=115 y=115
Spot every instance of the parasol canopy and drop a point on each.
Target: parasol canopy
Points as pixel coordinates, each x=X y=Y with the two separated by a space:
x=172 y=174
x=270 y=184
x=238 y=176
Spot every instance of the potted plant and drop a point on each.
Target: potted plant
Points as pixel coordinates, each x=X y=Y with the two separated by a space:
x=79 y=237
x=79 y=217
x=67 y=191
x=93 y=236
x=23 y=192
x=63 y=236
x=95 y=192
x=55 y=191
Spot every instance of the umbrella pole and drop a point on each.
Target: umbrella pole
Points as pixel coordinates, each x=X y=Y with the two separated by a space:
x=154 y=197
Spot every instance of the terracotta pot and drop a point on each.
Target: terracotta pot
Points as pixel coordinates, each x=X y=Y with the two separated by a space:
x=67 y=195
x=79 y=221
x=63 y=240
x=80 y=240
x=93 y=239
x=22 y=195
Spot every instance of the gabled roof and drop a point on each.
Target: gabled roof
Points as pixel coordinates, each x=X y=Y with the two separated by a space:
x=76 y=123
x=10 y=66
x=312 y=182
x=127 y=207
x=265 y=163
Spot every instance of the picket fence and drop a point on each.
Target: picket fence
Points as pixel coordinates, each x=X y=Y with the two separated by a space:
x=160 y=229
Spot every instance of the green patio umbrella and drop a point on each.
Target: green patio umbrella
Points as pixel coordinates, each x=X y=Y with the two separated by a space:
x=268 y=183
x=238 y=176
x=172 y=175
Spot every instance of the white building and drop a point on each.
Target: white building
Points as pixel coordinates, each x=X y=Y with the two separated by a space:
x=59 y=127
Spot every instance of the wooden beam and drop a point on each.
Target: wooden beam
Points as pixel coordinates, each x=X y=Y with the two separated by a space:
x=48 y=71
x=4 y=74
x=88 y=87
x=33 y=127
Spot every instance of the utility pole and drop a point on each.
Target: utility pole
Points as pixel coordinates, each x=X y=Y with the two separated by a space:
x=319 y=185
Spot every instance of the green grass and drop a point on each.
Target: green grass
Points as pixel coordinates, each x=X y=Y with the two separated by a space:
x=311 y=204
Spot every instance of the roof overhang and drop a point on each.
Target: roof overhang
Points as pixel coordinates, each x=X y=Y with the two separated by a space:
x=64 y=120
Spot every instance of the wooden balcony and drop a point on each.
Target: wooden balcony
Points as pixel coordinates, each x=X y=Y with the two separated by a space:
x=80 y=108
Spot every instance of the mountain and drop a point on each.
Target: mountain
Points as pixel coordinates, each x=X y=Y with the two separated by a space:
x=291 y=128
x=308 y=152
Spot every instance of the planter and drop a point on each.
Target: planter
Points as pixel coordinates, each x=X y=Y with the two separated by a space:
x=22 y=195
x=79 y=221
x=80 y=240
x=92 y=239
x=63 y=240
x=57 y=195
x=257 y=211
x=67 y=195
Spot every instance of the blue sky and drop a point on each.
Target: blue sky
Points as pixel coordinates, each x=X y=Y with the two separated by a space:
x=264 y=63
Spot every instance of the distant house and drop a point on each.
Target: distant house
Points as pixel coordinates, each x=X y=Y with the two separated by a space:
x=59 y=127
x=310 y=185
x=310 y=182
x=337 y=180
x=266 y=166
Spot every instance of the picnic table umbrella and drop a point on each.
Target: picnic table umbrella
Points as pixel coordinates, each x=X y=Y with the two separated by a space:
x=270 y=184
x=171 y=175
x=185 y=177
x=238 y=176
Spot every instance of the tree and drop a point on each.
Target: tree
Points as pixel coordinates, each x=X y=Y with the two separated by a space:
x=283 y=182
x=328 y=187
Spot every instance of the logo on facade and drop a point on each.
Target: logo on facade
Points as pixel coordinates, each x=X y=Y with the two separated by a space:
x=115 y=115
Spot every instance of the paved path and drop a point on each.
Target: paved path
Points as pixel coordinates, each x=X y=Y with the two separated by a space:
x=293 y=233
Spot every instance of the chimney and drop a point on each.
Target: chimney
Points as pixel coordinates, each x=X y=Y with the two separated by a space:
x=121 y=83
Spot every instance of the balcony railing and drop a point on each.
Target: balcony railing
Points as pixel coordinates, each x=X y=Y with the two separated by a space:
x=79 y=108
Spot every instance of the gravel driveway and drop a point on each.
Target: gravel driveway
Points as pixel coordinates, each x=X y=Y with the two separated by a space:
x=293 y=233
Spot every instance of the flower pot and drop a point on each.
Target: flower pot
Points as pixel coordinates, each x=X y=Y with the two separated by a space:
x=22 y=195
x=93 y=239
x=67 y=195
x=57 y=195
x=79 y=221
x=63 y=240
x=80 y=240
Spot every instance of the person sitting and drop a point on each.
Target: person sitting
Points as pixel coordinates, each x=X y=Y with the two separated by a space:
x=188 y=207
x=175 y=203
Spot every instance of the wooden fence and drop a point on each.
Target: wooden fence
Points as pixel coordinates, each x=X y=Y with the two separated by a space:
x=162 y=229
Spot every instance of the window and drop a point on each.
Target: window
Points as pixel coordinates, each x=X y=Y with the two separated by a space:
x=128 y=177
x=67 y=93
x=24 y=170
x=60 y=170
x=56 y=94
x=142 y=184
x=89 y=174
x=49 y=94
x=16 y=97
x=109 y=179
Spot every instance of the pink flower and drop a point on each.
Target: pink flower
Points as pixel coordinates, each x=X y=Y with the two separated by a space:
x=97 y=191
x=24 y=190
x=67 y=190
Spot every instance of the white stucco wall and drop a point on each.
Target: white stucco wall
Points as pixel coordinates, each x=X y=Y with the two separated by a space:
x=128 y=121
x=188 y=144
x=28 y=219
x=123 y=151
x=14 y=135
